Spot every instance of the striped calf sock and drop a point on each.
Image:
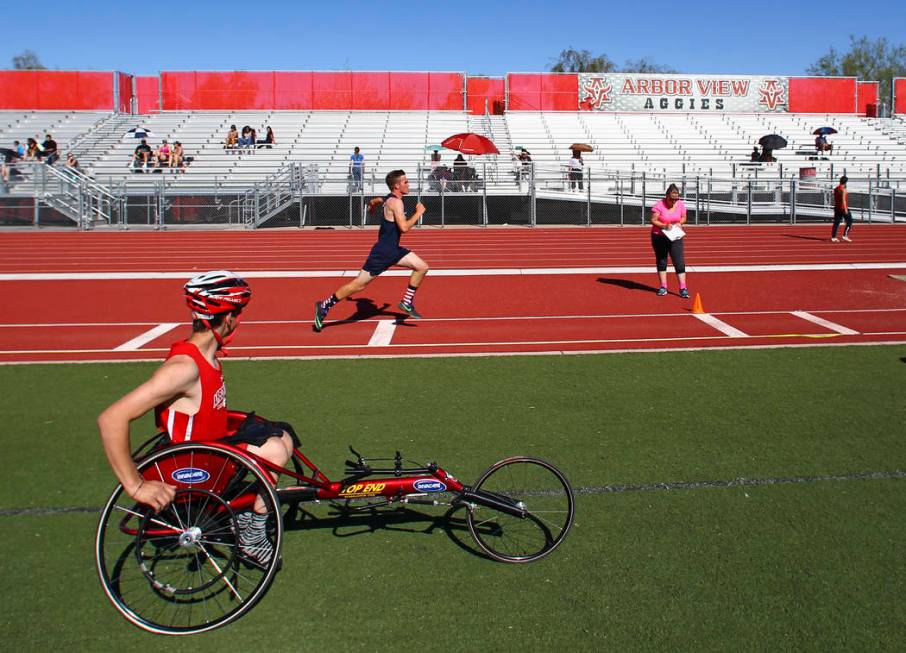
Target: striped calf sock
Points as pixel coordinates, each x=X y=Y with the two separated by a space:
x=410 y=295
x=328 y=303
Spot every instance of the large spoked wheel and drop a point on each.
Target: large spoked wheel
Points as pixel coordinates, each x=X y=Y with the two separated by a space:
x=195 y=565
x=520 y=509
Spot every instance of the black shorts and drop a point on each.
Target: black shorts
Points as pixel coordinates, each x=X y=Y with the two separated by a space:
x=256 y=430
x=381 y=258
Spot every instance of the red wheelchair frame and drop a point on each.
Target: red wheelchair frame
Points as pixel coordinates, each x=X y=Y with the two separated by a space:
x=186 y=570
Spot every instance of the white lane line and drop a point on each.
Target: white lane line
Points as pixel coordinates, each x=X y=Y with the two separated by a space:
x=146 y=337
x=827 y=324
x=720 y=325
x=464 y=272
x=383 y=333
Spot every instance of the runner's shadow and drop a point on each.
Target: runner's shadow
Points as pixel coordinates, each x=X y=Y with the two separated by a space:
x=366 y=309
x=626 y=283
x=805 y=237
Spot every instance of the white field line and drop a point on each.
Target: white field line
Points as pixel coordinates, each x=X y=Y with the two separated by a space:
x=146 y=337
x=721 y=326
x=246 y=322
x=383 y=333
x=827 y=324
x=466 y=272
x=552 y=352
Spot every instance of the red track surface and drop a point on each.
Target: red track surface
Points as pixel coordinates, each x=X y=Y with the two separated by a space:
x=344 y=249
x=515 y=314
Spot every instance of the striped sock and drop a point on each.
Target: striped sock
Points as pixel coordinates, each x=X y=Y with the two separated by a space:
x=410 y=295
x=328 y=303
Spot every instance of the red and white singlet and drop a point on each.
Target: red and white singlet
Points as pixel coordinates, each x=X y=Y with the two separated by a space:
x=210 y=422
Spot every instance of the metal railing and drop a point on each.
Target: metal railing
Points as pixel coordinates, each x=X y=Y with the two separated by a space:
x=479 y=194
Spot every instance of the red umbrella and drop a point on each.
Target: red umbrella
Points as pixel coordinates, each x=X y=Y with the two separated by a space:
x=469 y=143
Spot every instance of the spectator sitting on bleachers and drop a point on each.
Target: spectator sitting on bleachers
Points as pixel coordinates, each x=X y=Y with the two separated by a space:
x=767 y=156
x=31 y=153
x=245 y=137
x=435 y=159
x=163 y=154
x=49 y=150
x=269 y=140
x=756 y=155
x=20 y=149
x=821 y=144
x=71 y=161
x=232 y=139
x=177 y=157
x=142 y=156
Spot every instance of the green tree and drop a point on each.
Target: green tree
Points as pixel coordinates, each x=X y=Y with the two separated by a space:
x=27 y=60
x=645 y=65
x=581 y=61
x=870 y=60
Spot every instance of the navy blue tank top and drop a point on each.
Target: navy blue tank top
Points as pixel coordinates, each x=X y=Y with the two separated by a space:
x=389 y=233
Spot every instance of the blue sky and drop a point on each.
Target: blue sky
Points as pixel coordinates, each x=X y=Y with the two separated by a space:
x=491 y=38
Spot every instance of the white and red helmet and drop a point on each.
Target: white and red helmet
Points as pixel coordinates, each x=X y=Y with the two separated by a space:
x=215 y=293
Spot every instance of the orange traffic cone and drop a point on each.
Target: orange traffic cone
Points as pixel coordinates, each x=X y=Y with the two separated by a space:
x=697 y=304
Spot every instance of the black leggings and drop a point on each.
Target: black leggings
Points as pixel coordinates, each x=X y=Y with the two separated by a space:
x=838 y=216
x=664 y=246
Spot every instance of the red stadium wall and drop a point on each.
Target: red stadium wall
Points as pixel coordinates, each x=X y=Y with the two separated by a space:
x=823 y=94
x=147 y=94
x=56 y=90
x=543 y=92
x=124 y=83
x=485 y=89
x=899 y=95
x=867 y=98
x=375 y=91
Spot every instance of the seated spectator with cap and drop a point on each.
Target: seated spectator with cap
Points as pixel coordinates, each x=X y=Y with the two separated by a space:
x=142 y=155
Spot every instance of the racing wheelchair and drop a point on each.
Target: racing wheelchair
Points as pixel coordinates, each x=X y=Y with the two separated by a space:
x=184 y=570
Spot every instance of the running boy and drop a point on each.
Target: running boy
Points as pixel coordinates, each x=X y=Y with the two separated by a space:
x=386 y=251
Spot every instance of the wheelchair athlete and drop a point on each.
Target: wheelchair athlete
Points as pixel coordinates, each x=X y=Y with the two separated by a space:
x=188 y=396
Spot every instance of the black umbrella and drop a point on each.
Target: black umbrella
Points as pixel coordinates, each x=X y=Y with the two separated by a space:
x=772 y=142
x=823 y=131
x=8 y=154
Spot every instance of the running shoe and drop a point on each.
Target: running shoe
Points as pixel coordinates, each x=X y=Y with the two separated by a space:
x=661 y=291
x=410 y=309
x=835 y=240
x=684 y=293
x=847 y=239
x=320 y=314
x=253 y=540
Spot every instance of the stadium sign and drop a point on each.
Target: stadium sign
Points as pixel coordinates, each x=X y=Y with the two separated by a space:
x=682 y=93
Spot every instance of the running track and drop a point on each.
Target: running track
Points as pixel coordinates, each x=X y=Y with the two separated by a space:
x=72 y=296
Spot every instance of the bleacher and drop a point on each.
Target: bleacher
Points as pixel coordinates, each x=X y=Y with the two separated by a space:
x=666 y=144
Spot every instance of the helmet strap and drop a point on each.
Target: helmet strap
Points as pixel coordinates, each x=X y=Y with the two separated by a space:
x=221 y=341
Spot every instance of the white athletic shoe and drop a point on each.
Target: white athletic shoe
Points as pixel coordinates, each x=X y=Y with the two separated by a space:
x=835 y=240
x=847 y=239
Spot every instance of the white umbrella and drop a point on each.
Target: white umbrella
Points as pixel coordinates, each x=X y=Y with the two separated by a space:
x=140 y=132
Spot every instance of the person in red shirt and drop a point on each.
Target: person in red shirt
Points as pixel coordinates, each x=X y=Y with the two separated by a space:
x=841 y=212
x=188 y=396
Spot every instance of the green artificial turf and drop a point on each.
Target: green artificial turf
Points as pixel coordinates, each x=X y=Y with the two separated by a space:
x=812 y=565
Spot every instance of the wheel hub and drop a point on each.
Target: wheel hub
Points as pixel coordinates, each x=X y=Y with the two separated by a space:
x=190 y=537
